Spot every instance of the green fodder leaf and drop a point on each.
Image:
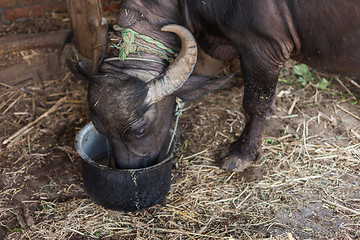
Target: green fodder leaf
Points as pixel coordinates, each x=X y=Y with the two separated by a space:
x=323 y=84
x=301 y=69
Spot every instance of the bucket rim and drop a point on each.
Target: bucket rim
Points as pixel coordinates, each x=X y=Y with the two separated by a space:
x=81 y=134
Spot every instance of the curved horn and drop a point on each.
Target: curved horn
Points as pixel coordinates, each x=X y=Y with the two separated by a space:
x=179 y=71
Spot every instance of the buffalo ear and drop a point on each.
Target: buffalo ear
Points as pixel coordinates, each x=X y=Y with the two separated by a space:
x=197 y=86
x=77 y=64
x=80 y=69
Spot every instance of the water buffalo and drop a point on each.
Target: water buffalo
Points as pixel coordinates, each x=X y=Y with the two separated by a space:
x=133 y=87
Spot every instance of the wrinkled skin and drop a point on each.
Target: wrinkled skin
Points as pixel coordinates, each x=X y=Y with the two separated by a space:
x=264 y=34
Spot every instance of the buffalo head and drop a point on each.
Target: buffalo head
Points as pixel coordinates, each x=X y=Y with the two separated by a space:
x=134 y=107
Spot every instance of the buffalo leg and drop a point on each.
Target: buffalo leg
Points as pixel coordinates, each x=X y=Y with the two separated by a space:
x=260 y=78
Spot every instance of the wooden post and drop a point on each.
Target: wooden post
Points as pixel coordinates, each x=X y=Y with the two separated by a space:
x=85 y=18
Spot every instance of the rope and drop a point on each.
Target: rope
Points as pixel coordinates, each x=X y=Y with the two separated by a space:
x=178 y=111
x=135 y=59
x=127 y=44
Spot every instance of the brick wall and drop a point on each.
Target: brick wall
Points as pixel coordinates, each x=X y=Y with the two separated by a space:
x=18 y=10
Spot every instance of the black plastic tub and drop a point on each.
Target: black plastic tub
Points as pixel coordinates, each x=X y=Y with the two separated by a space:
x=120 y=189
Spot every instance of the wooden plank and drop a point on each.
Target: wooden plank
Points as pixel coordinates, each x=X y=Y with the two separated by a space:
x=85 y=18
x=39 y=68
x=19 y=42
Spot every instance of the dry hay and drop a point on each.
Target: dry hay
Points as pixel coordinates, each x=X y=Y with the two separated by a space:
x=305 y=186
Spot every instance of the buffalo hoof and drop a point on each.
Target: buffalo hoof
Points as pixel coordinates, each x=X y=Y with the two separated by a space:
x=235 y=163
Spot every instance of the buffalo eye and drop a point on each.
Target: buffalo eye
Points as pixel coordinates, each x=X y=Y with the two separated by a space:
x=137 y=134
x=141 y=132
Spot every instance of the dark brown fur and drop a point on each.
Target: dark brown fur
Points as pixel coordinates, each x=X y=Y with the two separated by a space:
x=263 y=33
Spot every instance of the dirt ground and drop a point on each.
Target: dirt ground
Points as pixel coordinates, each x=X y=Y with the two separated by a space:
x=306 y=186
